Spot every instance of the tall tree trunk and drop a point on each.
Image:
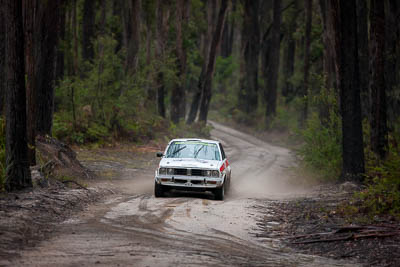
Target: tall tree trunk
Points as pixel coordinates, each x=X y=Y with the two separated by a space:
x=308 y=9
x=271 y=77
x=232 y=27
x=329 y=46
x=329 y=72
x=162 y=16
x=100 y=87
x=363 y=53
x=289 y=56
x=88 y=29
x=117 y=12
x=18 y=175
x=228 y=33
x=248 y=91
x=47 y=34
x=178 y=97
x=377 y=79
x=29 y=13
x=132 y=34
x=2 y=62
x=73 y=59
x=74 y=25
x=207 y=84
x=344 y=20
x=392 y=47
x=151 y=94
x=225 y=38
x=69 y=39
x=205 y=49
x=60 y=51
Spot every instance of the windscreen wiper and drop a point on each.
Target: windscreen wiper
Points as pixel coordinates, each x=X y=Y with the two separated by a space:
x=197 y=152
x=176 y=151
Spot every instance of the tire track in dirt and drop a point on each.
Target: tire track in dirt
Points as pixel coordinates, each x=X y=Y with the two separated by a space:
x=136 y=229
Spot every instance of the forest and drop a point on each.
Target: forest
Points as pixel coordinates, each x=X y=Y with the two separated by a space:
x=324 y=73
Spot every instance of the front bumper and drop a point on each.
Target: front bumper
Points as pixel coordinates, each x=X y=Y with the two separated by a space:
x=195 y=183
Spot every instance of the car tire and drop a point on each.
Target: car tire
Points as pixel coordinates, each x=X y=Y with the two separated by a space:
x=219 y=193
x=228 y=186
x=158 y=190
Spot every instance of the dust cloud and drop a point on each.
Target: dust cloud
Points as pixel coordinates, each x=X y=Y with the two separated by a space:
x=259 y=169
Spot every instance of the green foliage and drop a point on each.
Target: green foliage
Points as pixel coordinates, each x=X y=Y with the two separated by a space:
x=104 y=103
x=225 y=87
x=2 y=153
x=382 y=194
x=286 y=119
x=195 y=130
x=322 y=150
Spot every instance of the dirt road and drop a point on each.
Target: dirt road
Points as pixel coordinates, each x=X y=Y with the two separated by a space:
x=133 y=228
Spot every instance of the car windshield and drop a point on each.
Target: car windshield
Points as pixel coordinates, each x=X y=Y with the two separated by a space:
x=193 y=149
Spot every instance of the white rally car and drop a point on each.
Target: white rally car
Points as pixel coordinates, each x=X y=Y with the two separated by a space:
x=193 y=165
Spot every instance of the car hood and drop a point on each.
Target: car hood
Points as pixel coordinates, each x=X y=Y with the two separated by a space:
x=189 y=163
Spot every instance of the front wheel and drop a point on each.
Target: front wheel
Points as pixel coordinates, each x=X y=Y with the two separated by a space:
x=158 y=190
x=219 y=193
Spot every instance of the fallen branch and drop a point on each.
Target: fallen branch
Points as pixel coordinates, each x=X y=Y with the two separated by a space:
x=74 y=182
x=347 y=238
x=376 y=235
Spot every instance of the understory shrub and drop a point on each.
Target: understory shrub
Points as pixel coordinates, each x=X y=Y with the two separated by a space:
x=382 y=194
x=322 y=148
x=183 y=130
x=105 y=102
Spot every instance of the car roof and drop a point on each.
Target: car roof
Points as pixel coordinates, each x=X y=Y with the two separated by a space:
x=194 y=139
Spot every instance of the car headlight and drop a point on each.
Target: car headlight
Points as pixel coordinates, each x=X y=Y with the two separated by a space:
x=207 y=173
x=170 y=171
x=215 y=174
x=162 y=171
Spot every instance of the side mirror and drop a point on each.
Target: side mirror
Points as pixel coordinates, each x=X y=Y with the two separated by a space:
x=159 y=154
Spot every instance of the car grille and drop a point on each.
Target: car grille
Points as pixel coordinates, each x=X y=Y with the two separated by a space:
x=196 y=172
x=192 y=172
x=180 y=171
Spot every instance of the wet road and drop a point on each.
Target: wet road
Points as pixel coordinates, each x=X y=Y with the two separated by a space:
x=134 y=228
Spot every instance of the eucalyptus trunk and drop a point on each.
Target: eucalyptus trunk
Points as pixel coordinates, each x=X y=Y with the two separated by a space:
x=207 y=84
x=363 y=53
x=344 y=22
x=18 y=175
x=45 y=59
x=248 y=87
x=29 y=14
x=88 y=29
x=2 y=62
x=131 y=18
x=228 y=33
x=392 y=57
x=271 y=76
x=379 y=132
x=289 y=58
x=205 y=49
x=62 y=38
x=306 y=82
x=162 y=16
x=178 y=97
